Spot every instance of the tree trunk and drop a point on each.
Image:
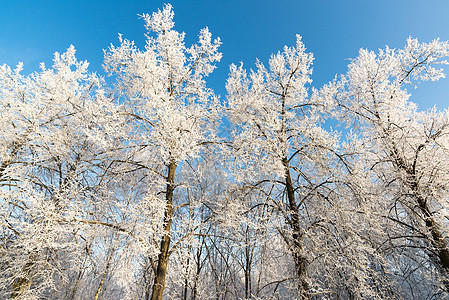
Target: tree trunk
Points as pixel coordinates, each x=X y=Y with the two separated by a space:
x=198 y=271
x=247 y=272
x=161 y=270
x=105 y=274
x=186 y=281
x=437 y=241
x=21 y=284
x=296 y=238
x=18 y=287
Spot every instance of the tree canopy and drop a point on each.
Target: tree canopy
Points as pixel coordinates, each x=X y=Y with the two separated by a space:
x=148 y=185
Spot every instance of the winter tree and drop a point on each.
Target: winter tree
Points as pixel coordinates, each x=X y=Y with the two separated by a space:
x=51 y=162
x=173 y=113
x=283 y=148
x=134 y=188
x=406 y=153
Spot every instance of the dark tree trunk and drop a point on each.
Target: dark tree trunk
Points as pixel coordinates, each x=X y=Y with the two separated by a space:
x=161 y=269
x=248 y=262
x=437 y=239
x=21 y=284
x=296 y=238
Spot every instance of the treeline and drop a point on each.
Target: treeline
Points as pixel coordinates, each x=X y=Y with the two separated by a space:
x=153 y=187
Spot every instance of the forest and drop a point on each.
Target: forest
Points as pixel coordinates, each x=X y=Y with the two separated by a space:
x=146 y=184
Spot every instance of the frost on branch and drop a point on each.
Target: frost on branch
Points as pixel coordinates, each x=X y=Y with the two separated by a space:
x=173 y=114
x=55 y=155
x=404 y=154
x=164 y=83
x=131 y=191
x=282 y=151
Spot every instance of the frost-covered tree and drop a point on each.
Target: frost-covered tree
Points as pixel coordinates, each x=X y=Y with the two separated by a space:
x=51 y=161
x=282 y=147
x=173 y=113
x=128 y=191
x=405 y=155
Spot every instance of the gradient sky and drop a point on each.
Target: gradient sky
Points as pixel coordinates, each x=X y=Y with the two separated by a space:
x=334 y=30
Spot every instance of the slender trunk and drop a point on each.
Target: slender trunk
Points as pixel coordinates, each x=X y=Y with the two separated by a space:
x=80 y=273
x=186 y=289
x=22 y=283
x=437 y=238
x=105 y=273
x=186 y=281
x=195 y=289
x=296 y=243
x=248 y=258
x=195 y=284
x=198 y=271
x=247 y=280
x=437 y=241
x=161 y=270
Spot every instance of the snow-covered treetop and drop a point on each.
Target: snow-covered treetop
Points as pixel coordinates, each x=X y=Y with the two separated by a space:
x=165 y=85
x=272 y=110
x=375 y=81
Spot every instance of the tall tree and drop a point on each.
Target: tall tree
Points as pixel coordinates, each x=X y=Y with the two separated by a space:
x=172 y=111
x=278 y=129
x=406 y=149
x=282 y=148
x=50 y=163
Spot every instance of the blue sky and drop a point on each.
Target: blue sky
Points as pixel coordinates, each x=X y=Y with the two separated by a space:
x=334 y=30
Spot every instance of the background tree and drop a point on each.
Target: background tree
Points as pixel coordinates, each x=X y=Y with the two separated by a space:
x=50 y=164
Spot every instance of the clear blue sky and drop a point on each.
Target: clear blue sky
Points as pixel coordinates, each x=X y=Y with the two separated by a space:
x=334 y=30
